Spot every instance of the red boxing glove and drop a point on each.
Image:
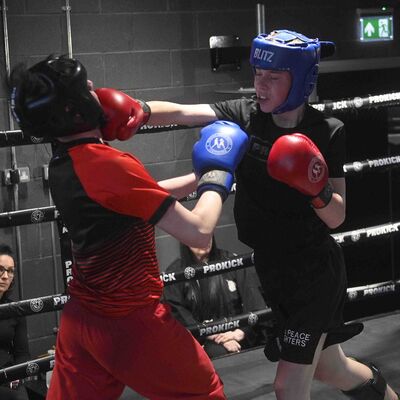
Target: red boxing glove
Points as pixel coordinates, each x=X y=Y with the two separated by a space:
x=297 y=161
x=124 y=115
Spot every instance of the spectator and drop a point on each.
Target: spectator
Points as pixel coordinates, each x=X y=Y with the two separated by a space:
x=14 y=347
x=215 y=297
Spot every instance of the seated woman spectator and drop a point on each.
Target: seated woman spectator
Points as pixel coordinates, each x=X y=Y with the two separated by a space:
x=215 y=297
x=13 y=333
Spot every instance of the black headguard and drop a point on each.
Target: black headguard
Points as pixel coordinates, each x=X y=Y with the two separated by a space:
x=52 y=99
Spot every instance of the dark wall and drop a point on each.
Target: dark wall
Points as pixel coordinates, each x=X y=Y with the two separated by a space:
x=152 y=49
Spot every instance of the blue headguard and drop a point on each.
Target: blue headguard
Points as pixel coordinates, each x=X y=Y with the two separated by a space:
x=284 y=50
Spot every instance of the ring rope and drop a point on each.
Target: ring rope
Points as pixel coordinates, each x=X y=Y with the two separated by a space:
x=380 y=100
x=56 y=302
x=29 y=368
x=379 y=164
x=192 y=272
x=364 y=234
x=253 y=318
x=50 y=213
x=196 y=271
x=36 y=305
x=45 y=364
x=373 y=290
x=28 y=216
x=228 y=324
x=18 y=138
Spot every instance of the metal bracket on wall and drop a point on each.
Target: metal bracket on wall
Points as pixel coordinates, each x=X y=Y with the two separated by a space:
x=16 y=176
x=225 y=50
x=45 y=172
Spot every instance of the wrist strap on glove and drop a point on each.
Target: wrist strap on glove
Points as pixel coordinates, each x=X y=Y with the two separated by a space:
x=323 y=198
x=216 y=180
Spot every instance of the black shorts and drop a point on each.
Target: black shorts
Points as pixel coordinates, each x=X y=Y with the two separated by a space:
x=307 y=293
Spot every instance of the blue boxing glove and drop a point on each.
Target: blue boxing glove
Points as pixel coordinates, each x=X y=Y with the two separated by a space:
x=216 y=155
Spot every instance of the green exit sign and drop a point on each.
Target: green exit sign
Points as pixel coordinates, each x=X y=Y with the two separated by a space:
x=376 y=28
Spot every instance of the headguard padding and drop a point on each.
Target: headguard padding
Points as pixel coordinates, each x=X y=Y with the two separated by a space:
x=284 y=50
x=52 y=99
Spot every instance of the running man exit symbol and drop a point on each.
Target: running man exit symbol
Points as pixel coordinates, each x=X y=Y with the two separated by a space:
x=383 y=27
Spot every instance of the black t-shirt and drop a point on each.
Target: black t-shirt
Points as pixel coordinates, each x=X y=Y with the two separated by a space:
x=269 y=214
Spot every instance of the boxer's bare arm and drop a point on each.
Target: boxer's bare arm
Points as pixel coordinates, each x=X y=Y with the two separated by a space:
x=180 y=186
x=166 y=113
x=193 y=228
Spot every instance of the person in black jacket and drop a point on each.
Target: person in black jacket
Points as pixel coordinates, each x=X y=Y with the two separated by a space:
x=215 y=297
x=14 y=347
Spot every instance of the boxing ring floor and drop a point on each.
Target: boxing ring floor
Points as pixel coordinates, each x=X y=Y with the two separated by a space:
x=249 y=375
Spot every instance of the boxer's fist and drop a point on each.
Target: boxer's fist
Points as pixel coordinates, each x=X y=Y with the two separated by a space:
x=216 y=155
x=124 y=115
x=297 y=161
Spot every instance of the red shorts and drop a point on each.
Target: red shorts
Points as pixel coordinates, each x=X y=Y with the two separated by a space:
x=147 y=350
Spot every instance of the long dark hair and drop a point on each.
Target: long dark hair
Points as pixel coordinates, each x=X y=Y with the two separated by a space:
x=5 y=250
x=207 y=296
